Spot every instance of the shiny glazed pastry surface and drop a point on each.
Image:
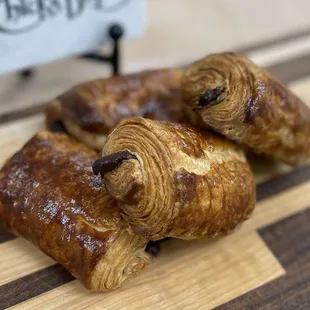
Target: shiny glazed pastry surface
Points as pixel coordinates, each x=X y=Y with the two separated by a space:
x=173 y=180
x=90 y=110
x=49 y=195
x=248 y=105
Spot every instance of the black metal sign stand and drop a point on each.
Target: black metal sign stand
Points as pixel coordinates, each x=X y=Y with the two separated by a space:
x=115 y=32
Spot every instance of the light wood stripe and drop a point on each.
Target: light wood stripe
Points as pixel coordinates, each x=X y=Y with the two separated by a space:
x=20 y=130
x=302 y=89
x=276 y=53
x=15 y=134
x=20 y=258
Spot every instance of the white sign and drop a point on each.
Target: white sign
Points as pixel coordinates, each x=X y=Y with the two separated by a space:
x=38 y=31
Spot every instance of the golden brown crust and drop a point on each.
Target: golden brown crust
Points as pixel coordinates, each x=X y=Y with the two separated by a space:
x=246 y=104
x=90 y=110
x=178 y=182
x=49 y=195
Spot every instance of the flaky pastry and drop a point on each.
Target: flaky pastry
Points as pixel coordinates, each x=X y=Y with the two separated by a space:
x=248 y=105
x=50 y=196
x=90 y=110
x=174 y=180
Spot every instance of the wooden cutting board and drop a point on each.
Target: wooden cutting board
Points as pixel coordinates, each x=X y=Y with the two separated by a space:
x=265 y=261
x=263 y=265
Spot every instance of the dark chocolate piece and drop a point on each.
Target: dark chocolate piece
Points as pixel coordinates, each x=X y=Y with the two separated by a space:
x=153 y=248
x=58 y=126
x=110 y=162
x=209 y=97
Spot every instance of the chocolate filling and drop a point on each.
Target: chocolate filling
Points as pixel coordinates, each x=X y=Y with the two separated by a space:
x=208 y=98
x=110 y=162
x=153 y=247
x=58 y=126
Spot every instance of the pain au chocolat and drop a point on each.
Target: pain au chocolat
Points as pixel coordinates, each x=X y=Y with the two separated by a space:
x=248 y=105
x=49 y=196
x=172 y=180
x=90 y=110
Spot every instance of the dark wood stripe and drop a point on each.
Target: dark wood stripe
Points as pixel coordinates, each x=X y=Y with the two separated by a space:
x=282 y=182
x=19 y=114
x=292 y=70
x=5 y=235
x=273 y=42
x=33 y=285
x=289 y=240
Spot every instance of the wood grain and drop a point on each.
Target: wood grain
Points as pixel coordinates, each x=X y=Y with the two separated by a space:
x=15 y=134
x=289 y=240
x=252 y=261
x=32 y=285
x=21 y=258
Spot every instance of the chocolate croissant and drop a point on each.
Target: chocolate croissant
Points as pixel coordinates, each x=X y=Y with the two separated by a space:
x=49 y=195
x=172 y=180
x=248 y=105
x=90 y=110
